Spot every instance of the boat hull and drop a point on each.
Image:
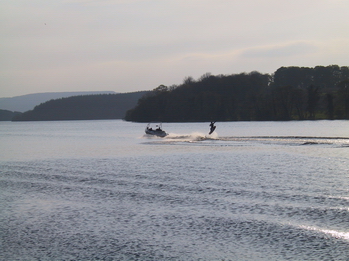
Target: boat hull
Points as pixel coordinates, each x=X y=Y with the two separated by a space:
x=159 y=133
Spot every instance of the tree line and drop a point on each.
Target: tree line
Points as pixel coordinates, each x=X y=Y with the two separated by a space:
x=290 y=93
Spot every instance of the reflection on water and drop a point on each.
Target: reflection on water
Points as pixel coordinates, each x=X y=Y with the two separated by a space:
x=103 y=191
x=331 y=233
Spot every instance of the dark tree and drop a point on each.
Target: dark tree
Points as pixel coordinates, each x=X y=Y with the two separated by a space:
x=330 y=106
x=344 y=97
x=313 y=99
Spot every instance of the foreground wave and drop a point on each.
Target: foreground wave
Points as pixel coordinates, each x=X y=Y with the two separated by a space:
x=126 y=210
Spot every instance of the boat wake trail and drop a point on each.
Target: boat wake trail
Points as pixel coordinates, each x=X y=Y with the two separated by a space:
x=194 y=136
x=293 y=140
x=281 y=140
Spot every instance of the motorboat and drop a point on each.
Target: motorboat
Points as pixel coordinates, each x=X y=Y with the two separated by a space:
x=156 y=130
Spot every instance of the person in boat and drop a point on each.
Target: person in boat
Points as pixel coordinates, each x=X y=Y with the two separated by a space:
x=212 y=127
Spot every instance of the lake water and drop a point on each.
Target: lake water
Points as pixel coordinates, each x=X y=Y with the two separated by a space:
x=102 y=190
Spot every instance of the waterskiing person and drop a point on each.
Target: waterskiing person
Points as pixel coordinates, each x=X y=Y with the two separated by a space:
x=212 y=127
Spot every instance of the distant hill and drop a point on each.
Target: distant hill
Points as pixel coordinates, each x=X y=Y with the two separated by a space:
x=28 y=102
x=6 y=115
x=83 y=107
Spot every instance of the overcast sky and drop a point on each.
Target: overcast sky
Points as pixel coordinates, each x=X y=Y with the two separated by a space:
x=131 y=45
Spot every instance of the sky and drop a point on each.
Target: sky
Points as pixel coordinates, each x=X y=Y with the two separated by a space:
x=133 y=45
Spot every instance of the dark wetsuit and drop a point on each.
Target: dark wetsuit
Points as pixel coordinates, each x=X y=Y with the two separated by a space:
x=212 y=126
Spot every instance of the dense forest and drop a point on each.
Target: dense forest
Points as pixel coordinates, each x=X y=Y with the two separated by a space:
x=291 y=93
x=83 y=107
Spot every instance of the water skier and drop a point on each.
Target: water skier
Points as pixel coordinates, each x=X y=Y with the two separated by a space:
x=212 y=127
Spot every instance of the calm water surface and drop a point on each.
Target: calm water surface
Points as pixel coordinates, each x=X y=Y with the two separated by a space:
x=102 y=190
